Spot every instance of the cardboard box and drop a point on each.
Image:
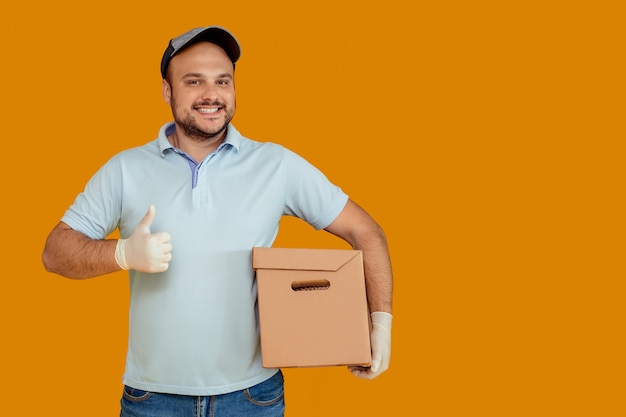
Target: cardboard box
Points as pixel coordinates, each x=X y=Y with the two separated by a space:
x=312 y=307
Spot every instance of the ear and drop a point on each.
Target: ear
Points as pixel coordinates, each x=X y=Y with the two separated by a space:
x=167 y=91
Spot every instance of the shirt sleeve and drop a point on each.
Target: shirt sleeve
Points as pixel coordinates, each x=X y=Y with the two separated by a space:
x=96 y=210
x=310 y=195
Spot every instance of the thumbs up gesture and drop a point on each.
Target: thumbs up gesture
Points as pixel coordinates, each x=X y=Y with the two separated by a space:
x=144 y=251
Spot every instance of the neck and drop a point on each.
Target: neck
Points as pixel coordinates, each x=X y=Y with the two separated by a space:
x=197 y=148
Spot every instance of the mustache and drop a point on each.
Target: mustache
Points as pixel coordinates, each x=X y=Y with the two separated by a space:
x=209 y=103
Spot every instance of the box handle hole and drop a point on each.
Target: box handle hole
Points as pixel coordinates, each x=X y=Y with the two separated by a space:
x=311 y=285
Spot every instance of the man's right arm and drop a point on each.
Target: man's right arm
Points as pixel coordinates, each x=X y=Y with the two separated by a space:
x=73 y=255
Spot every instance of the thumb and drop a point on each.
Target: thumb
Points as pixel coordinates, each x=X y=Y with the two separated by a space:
x=375 y=363
x=146 y=222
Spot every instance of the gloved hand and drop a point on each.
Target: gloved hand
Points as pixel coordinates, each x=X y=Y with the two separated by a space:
x=380 y=339
x=144 y=251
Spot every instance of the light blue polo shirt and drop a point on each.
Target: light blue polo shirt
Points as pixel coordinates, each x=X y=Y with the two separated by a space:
x=193 y=328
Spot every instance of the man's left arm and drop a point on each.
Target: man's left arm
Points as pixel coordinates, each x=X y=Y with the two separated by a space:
x=360 y=230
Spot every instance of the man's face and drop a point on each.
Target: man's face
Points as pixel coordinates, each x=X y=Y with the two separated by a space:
x=201 y=91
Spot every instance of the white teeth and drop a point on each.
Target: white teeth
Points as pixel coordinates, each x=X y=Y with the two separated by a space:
x=205 y=110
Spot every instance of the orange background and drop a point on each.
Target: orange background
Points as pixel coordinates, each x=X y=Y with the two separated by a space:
x=487 y=138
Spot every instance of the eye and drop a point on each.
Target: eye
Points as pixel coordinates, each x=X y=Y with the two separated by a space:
x=223 y=82
x=193 y=82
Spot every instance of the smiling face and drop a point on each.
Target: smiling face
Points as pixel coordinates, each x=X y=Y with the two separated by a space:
x=201 y=92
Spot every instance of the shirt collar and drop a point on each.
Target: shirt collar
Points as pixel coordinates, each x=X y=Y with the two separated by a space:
x=233 y=137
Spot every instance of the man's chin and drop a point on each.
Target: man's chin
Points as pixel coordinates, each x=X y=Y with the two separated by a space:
x=198 y=133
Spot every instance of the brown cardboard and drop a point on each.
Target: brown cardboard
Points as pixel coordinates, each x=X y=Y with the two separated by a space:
x=312 y=307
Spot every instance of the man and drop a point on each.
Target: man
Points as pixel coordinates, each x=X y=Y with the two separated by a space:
x=190 y=206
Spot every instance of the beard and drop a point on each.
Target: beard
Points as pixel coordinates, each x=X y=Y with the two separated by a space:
x=191 y=129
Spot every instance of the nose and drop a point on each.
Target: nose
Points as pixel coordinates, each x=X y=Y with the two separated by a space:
x=210 y=93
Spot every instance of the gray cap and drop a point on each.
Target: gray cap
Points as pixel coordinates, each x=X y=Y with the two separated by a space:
x=214 y=34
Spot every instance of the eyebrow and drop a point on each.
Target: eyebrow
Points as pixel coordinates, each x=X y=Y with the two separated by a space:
x=201 y=75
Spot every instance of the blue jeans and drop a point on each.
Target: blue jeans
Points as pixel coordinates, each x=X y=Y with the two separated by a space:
x=262 y=400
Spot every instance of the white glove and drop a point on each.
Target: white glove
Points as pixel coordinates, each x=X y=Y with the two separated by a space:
x=380 y=339
x=144 y=251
